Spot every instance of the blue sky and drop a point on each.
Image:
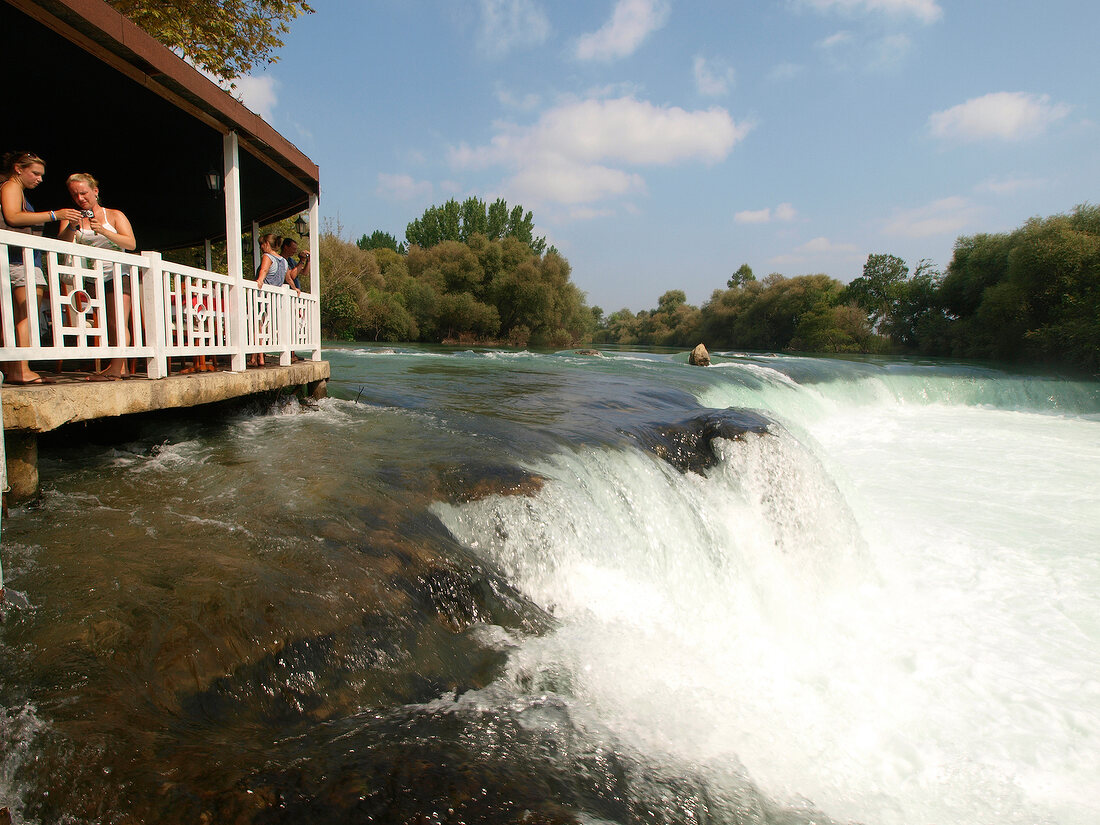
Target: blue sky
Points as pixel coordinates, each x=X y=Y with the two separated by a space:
x=662 y=144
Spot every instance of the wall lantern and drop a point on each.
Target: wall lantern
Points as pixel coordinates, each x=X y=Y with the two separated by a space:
x=301 y=226
x=213 y=181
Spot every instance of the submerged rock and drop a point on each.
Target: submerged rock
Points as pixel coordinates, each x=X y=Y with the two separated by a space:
x=687 y=445
x=699 y=356
x=473 y=481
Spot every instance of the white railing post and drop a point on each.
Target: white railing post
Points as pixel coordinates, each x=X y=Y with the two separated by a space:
x=153 y=300
x=286 y=329
x=31 y=292
x=7 y=323
x=53 y=296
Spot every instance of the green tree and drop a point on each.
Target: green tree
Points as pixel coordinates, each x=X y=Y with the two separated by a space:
x=741 y=277
x=878 y=289
x=380 y=240
x=668 y=302
x=978 y=262
x=621 y=328
x=385 y=318
x=463 y=317
x=827 y=328
x=460 y=222
x=227 y=38
x=343 y=293
x=475 y=219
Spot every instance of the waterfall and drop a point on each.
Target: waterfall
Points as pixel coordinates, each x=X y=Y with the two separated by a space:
x=884 y=608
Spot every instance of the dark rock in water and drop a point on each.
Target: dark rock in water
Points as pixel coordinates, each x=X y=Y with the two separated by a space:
x=699 y=357
x=475 y=481
x=687 y=445
x=592 y=352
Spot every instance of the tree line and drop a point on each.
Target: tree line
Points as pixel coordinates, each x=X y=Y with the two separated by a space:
x=1027 y=296
x=477 y=272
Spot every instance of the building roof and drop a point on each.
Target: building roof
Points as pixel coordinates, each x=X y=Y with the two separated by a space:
x=89 y=91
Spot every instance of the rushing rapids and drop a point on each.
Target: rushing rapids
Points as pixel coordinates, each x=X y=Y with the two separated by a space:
x=522 y=587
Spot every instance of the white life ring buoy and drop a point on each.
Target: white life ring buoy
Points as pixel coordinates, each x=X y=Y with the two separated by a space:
x=80 y=301
x=198 y=314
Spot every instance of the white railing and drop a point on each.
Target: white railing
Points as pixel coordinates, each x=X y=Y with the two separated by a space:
x=171 y=310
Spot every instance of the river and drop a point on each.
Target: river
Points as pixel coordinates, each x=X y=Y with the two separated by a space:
x=496 y=586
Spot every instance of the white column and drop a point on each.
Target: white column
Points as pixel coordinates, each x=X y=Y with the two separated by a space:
x=234 y=248
x=315 y=275
x=256 y=253
x=153 y=299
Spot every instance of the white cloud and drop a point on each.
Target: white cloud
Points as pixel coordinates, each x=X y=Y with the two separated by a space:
x=1009 y=186
x=846 y=50
x=260 y=94
x=784 y=212
x=511 y=24
x=1000 y=115
x=576 y=152
x=822 y=244
x=947 y=216
x=712 y=78
x=785 y=71
x=811 y=253
x=926 y=11
x=890 y=51
x=588 y=213
x=403 y=187
x=506 y=97
x=753 y=216
x=841 y=38
x=573 y=183
x=631 y=22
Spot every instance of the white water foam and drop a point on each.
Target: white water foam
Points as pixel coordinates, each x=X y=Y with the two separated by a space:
x=19 y=727
x=896 y=618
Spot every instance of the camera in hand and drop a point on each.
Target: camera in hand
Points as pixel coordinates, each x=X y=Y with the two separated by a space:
x=87 y=213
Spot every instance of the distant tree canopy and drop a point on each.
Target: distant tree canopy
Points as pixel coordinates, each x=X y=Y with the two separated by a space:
x=460 y=222
x=1028 y=295
x=227 y=38
x=380 y=240
x=1031 y=295
x=804 y=313
x=464 y=286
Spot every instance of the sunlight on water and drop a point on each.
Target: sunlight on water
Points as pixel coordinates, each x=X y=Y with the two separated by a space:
x=894 y=616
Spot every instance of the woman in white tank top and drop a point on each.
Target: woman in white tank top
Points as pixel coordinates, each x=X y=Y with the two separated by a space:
x=103 y=229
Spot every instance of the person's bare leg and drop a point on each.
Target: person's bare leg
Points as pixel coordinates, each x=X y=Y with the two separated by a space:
x=20 y=372
x=117 y=368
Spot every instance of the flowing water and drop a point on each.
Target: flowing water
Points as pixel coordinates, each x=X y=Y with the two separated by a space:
x=554 y=588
